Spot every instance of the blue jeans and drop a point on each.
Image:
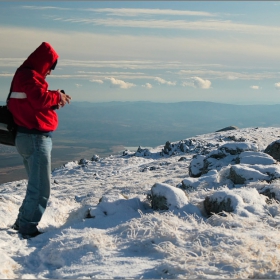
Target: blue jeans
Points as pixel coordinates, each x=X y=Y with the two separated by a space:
x=35 y=150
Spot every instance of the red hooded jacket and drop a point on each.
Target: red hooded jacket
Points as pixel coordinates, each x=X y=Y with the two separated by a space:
x=35 y=111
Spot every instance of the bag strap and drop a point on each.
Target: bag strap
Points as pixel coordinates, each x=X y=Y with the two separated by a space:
x=9 y=94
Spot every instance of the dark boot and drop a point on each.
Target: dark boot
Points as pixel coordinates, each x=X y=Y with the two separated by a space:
x=31 y=235
x=15 y=226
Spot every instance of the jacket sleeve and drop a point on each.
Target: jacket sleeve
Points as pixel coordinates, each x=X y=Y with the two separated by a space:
x=38 y=95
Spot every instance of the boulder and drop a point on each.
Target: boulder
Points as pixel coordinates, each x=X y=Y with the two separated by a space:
x=167 y=197
x=273 y=150
x=82 y=161
x=240 y=174
x=217 y=206
x=244 y=202
x=95 y=158
x=167 y=148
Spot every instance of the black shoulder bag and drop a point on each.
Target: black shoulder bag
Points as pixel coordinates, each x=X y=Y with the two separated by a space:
x=8 y=128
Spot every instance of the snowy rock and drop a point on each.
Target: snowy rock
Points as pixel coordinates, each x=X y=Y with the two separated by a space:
x=235 y=177
x=238 y=147
x=167 y=148
x=209 y=180
x=256 y=158
x=244 y=202
x=271 y=191
x=217 y=205
x=273 y=150
x=239 y=174
x=197 y=166
x=166 y=197
x=142 y=152
x=95 y=158
x=228 y=128
x=82 y=161
x=225 y=155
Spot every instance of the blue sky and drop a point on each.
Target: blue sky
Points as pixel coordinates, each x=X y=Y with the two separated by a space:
x=163 y=51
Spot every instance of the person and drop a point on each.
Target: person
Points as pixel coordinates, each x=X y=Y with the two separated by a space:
x=33 y=108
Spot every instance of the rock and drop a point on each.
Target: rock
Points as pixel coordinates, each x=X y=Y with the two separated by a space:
x=240 y=174
x=82 y=161
x=197 y=166
x=166 y=197
x=182 y=159
x=95 y=158
x=142 y=152
x=235 y=177
x=167 y=148
x=238 y=147
x=269 y=193
x=255 y=158
x=273 y=150
x=272 y=192
x=225 y=155
x=217 y=206
x=228 y=128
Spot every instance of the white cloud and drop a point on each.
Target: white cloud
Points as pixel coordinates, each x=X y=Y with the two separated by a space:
x=128 y=12
x=200 y=83
x=207 y=25
x=277 y=85
x=254 y=87
x=6 y=75
x=78 y=85
x=147 y=85
x=187 y=84
x=120 y=83
x=231 y=77
x=96 y=81
x=163 y=82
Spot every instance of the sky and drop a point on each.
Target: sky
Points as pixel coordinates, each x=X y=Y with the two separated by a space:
x=160 y=51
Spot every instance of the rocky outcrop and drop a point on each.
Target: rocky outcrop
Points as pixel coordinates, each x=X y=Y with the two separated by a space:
x=223 y=156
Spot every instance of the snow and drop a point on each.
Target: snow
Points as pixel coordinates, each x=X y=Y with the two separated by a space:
x=99 y=222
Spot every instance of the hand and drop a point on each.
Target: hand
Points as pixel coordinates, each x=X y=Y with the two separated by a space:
x=64 y=98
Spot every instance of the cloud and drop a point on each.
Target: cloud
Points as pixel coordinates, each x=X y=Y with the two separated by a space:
x=200 y=83
x=120 y=83
x=277 y=85
x=231 y=77
x=78 y=85
x=128 y=12
x=163 y=82
x=147 y=85
x=96 y=81
x=45 y=8
x=188 y=84
x=254 y=87
x=206 y=25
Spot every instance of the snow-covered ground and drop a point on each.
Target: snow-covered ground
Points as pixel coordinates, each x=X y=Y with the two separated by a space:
x=121 y=236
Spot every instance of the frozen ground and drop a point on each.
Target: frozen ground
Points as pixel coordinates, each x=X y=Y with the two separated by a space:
x=122 y=237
